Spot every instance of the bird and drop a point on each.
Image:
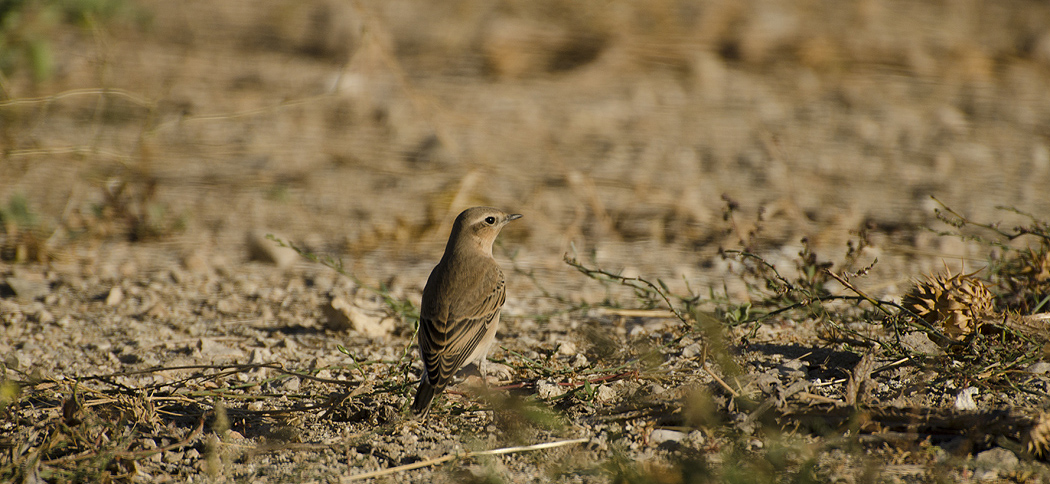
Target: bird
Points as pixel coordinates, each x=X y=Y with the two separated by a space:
x=461 y=302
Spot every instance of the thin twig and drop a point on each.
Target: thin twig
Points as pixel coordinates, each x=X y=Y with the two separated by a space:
x=628 y=281
x=134 y=98
x=1037 y=230
x=851 y=287
x=703 y=364
x=881 y=305
x=134 y=454
x=446 y=458
x=765 y=263
x=230 y=369
x=636 y=313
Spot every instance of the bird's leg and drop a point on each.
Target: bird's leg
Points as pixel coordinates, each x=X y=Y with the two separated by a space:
x=474 y=371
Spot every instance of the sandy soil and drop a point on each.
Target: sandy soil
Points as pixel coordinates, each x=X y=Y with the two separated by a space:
x=640 y=139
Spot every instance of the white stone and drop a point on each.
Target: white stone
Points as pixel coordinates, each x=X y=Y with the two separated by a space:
x=341 y=314
x=210 y=347
x=692 y=350
x=547 y=389
x=964 y=399
x=1039 y=368
x=261 y=248
x=696 y=438
x=659 y=436
x=604 y=393
x=115 y=296
x=994 y=460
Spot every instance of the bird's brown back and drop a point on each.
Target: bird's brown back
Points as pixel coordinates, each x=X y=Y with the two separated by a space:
x=463 y=296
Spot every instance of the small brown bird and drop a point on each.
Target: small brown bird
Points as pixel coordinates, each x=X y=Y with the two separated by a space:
x=461 y=302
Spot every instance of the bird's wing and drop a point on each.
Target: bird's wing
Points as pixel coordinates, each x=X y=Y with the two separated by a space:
x=448 y=337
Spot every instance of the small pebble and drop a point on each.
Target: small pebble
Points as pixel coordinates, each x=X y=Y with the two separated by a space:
x=547 y=390
x=604 y=393
x=1039 y=368
x=115 y=296
x=173 y=457
x=988 y=465
x=692 y=351
x=263 y=249
x=28 y=289
x=659 y=436
x=964 y=399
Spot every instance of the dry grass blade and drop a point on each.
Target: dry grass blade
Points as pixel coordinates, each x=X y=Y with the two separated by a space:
x=446 y=458
x=714 y=376
x=130 y=96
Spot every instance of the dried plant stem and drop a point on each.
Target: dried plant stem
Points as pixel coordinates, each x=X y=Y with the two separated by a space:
x=446 y=458
x=635 y=282
x=228 y=369
x=1038 y=229
x=128 y=95
x=715 y=377
x=881 y=305
x=851 y=287
x=135 y=454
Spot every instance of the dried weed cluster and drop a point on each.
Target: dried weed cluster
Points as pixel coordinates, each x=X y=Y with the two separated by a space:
x=957 y=304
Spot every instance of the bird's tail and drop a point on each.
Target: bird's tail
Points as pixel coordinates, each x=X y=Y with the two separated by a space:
x=424 y=396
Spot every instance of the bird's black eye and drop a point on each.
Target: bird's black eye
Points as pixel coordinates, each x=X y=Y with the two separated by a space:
x=490 y=220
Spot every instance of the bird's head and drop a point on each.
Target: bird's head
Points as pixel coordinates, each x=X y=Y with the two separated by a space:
x=479 y=227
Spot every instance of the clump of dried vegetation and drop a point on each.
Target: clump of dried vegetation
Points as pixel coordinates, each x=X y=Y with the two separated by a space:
x=127 y=209
x=987 y=323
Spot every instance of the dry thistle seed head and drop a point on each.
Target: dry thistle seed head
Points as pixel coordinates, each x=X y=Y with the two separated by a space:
x=955 y=303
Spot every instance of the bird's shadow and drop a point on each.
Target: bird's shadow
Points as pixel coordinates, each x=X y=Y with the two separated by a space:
x=823 y=363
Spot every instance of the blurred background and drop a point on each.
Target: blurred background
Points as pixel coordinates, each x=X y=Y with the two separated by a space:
x=643 y=136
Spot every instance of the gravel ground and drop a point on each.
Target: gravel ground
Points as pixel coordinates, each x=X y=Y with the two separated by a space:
x=156 y=334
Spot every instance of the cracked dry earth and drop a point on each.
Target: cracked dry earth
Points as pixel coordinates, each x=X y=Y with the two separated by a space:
x=157 y=335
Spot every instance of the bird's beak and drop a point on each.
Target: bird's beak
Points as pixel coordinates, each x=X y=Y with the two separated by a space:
x=513 y=216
